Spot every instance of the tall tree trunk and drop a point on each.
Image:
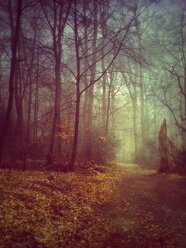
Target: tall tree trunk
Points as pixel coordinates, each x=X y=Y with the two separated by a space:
x=113 y=103
x=88 y=150
x=56 y=119
x=141 y=87
x=184 y=124
x=29 y=109
x=11 y=78
x=85 y=81
x=76 y=128
x=183 y=55
x=56 y=125
x=1 y=102
x=36 y=101
x=104 y=96
x=78 y=71
x=108 y=107
x=57 y=26
x=19 y=111
x=142 y=106
x=134 y=122
x=132 y=89
x=154 y=117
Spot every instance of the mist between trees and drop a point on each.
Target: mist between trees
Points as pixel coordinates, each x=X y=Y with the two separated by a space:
x=92 y=81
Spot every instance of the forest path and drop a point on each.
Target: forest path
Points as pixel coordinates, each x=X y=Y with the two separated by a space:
x=127 y=165
x=147 y=210
x=119 y=207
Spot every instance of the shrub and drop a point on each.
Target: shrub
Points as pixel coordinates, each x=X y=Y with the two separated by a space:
x=100 y=148
x=181 y=161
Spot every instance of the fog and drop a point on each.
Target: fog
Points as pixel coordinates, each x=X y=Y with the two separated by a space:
x=92 y=82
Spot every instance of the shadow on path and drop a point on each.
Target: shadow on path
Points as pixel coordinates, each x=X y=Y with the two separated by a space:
x=147 y=210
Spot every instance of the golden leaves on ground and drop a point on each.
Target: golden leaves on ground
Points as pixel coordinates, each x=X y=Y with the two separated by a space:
x=128 y=207
x=47 y=209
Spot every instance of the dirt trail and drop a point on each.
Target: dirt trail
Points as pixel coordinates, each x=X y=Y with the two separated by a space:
x=147 y=211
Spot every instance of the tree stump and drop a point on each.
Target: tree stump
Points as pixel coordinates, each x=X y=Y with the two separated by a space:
x=163 y=148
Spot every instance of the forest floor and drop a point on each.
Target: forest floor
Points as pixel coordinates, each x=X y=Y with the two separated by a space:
x=120 y=207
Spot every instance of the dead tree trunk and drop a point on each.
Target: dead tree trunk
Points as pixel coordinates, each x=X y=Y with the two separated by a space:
x=163 y=148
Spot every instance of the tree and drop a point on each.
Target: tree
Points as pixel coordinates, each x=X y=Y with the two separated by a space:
x=15 y=39
x=113 y=50
x=60 y=12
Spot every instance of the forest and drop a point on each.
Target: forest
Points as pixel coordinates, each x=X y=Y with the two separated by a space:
x=92 y=81
x=93 y=123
